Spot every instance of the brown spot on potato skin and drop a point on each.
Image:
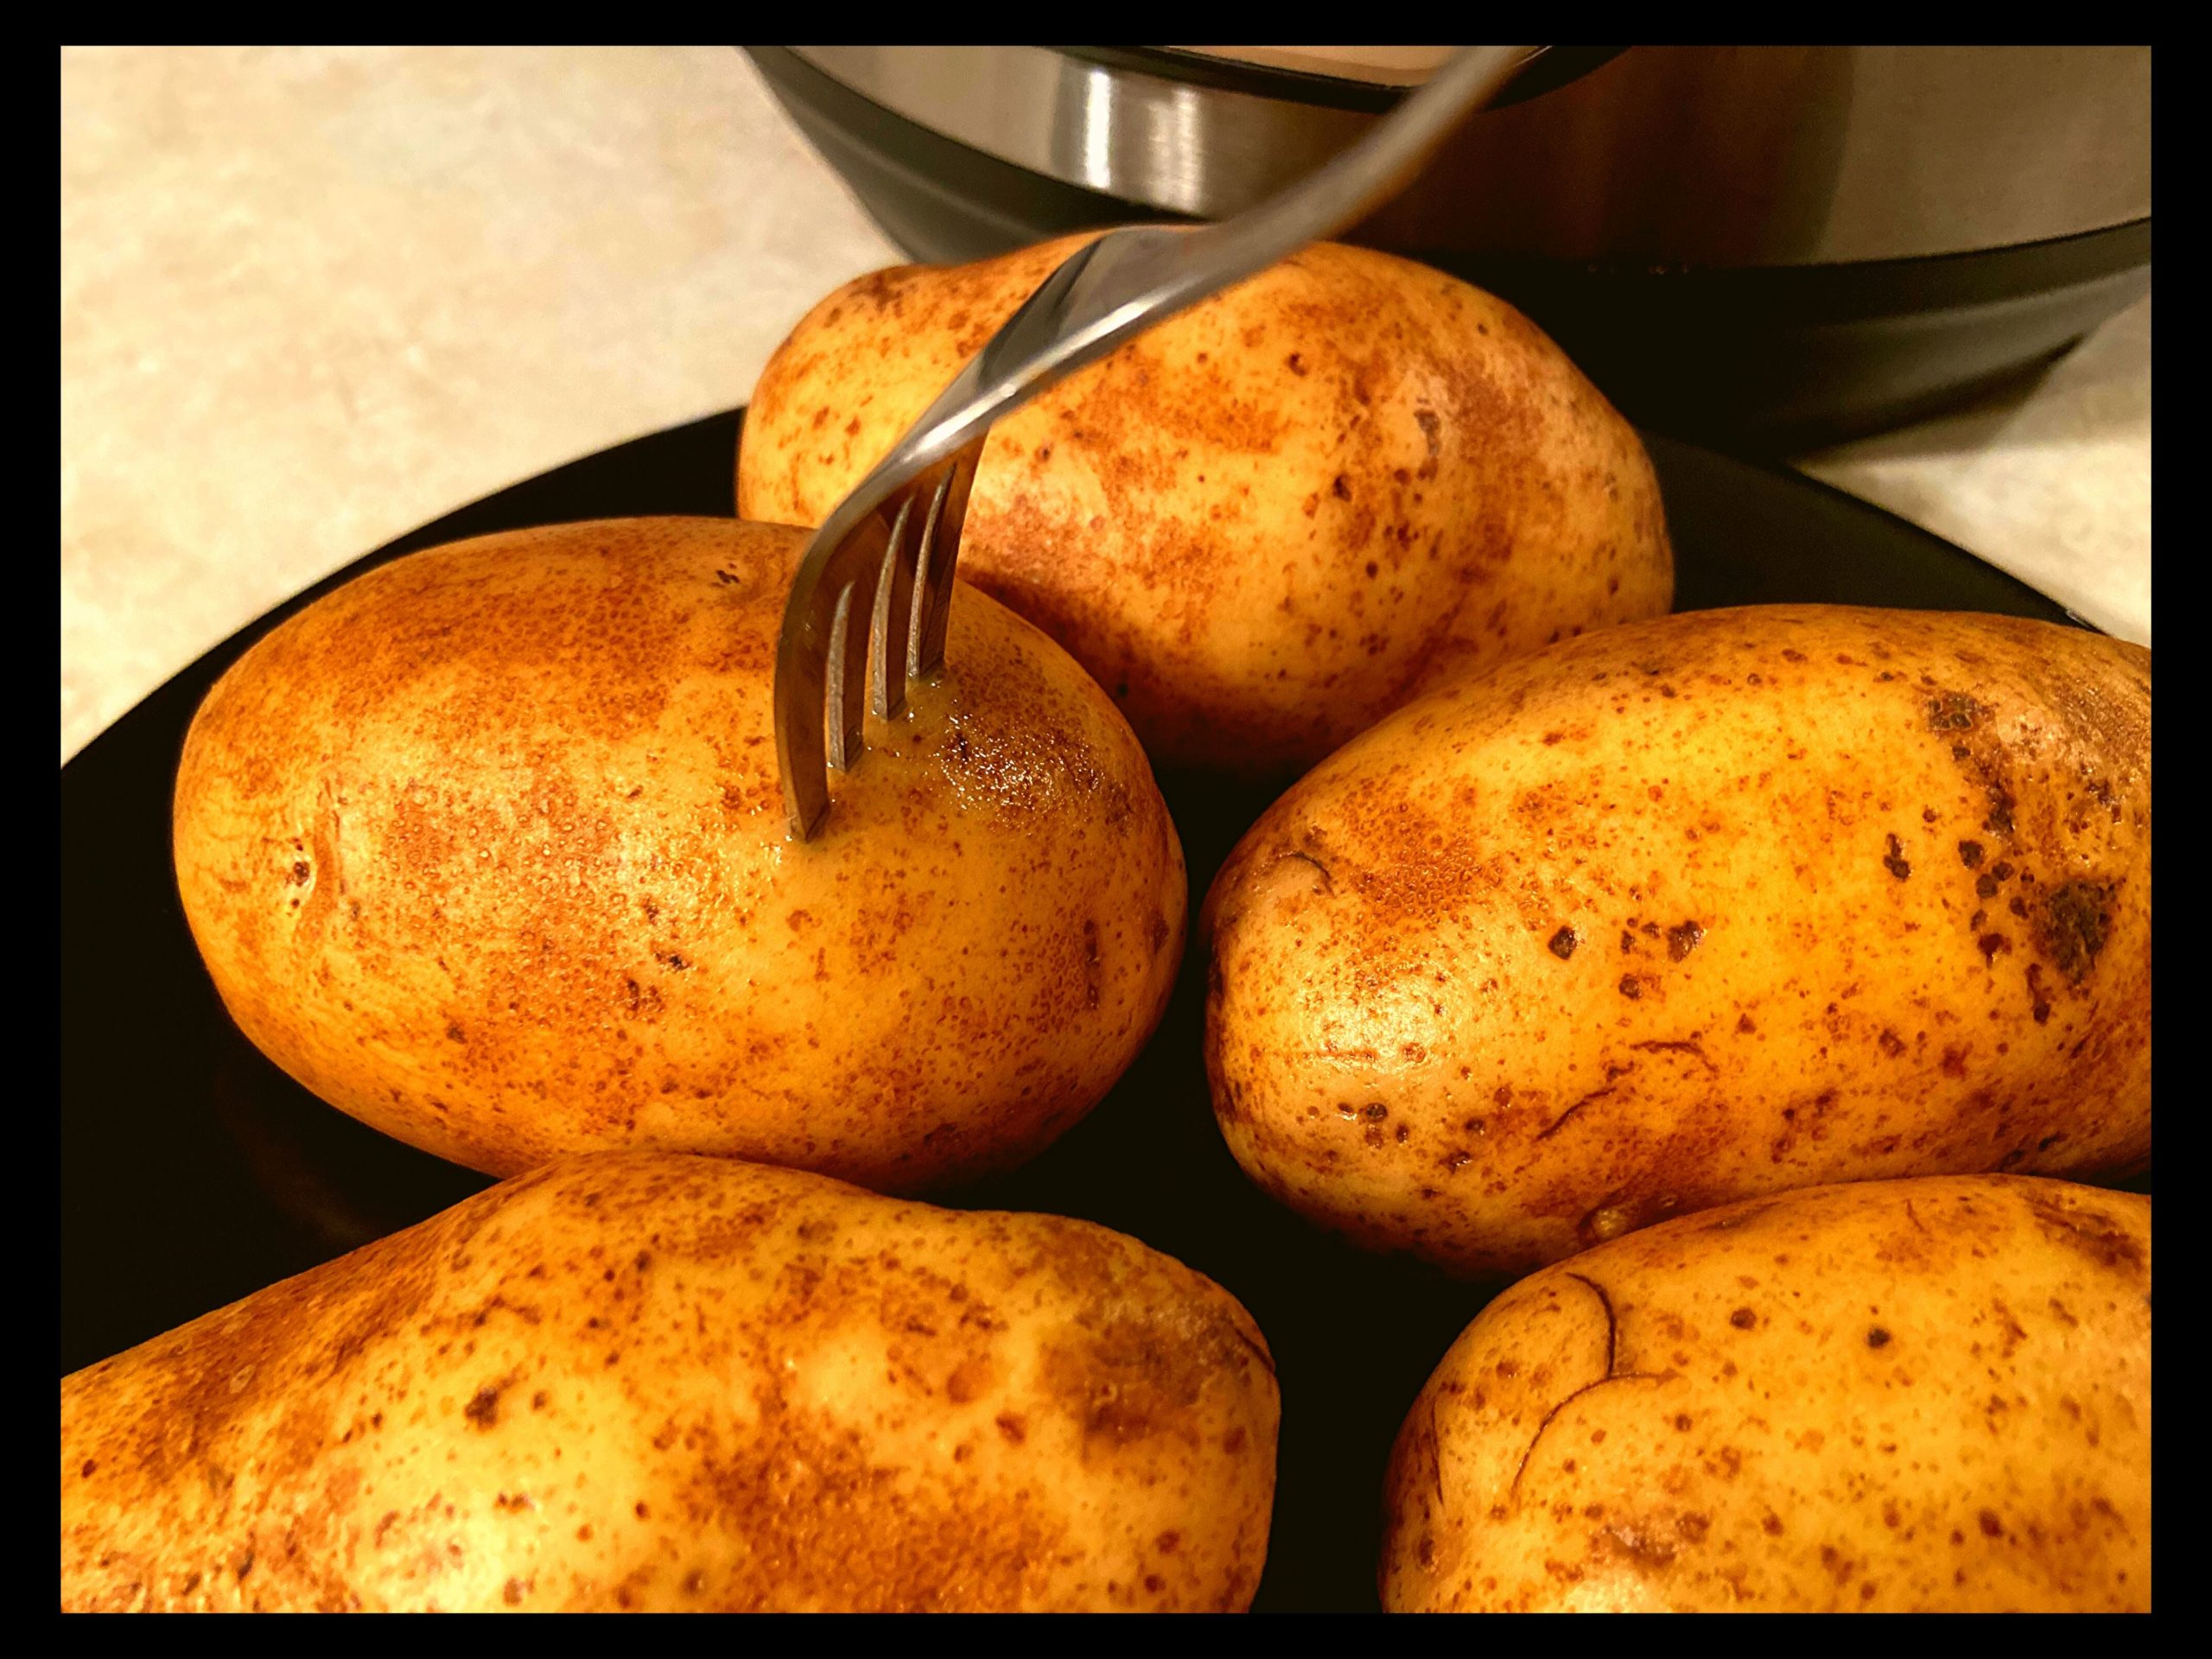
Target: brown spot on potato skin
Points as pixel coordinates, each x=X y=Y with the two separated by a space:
x=1200 y=533
x=734 y=1433
x=1127 y=1380
x=1894 y=861
x=2077 y=1219
x=483 y=1410
x=975 y=948
x=1954 y=711
x=2077 y=921
x=1641 y=1551
x=1456 y=839
x=1812 y=1469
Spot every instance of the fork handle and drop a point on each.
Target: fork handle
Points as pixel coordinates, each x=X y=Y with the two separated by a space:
x=1122 y=284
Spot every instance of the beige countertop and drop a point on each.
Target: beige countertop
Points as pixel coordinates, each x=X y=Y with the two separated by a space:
x=312 y=298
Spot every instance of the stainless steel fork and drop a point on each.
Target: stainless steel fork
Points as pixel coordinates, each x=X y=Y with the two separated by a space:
x=880 y=569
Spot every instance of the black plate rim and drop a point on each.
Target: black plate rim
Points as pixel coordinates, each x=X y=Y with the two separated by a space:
x=240 y=640
x=1897 y=522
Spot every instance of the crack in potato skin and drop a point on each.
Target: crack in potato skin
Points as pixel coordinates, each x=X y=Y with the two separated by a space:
x=486 y=849
x=1267 y=522
x=1854 y=894
x=1920 y=1395
x=653 y=1380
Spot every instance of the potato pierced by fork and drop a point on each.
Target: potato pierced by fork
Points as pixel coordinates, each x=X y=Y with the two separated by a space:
x=486 y=849
x=1266 y=523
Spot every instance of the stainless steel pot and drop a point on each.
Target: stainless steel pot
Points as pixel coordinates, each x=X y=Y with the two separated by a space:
x=1835 y=236
x=1691 y=156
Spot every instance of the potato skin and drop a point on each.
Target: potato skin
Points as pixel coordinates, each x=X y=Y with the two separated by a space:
x=1269 y=521
x=1694 y=910
x=651 y=1381
x=486 y=849
x=1929 y=1396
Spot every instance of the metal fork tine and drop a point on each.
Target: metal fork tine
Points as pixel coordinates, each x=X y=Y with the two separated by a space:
x=833 y=709
x=925 y=576
x=800 y=693
x=894 y=590
x=940 y=554
x=846 y=713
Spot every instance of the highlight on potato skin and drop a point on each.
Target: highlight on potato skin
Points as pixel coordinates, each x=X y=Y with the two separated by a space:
x=651 y=1381
x=1693 y=909
x=1921 y=1395
x=486 y=849
x=1267 y=522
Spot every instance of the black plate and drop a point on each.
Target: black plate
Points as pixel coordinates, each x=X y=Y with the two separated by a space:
x=194 y=1172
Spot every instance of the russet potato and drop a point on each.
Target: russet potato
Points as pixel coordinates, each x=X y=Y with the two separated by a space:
x=1694 y=910
x=653 y=1380
x=1267 y=522
x=486 y=849
x=1920 y=1395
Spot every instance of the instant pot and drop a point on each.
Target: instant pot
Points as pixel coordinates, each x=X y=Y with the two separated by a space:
x=1766 y=245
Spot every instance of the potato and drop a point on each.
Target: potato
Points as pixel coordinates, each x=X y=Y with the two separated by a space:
x=1922 y=1395
x=487 y=849
x=647 y=1380
x=1266 y=523
x=1695 y=910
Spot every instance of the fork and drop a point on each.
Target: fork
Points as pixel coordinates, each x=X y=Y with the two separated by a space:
x=880 y=569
